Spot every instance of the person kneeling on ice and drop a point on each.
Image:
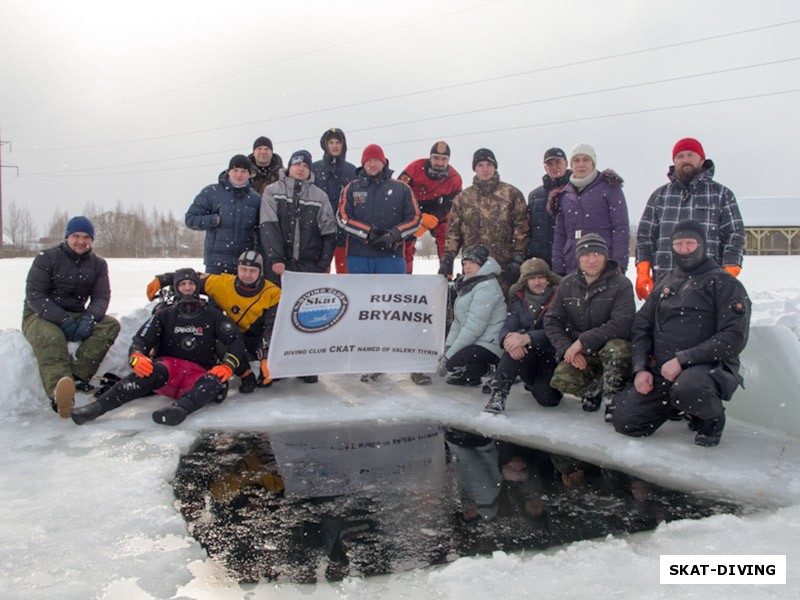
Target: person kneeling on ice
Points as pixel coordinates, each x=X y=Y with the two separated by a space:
x=184 y=337
x=686 y=344
x=479 y=312
x=529 y=353
x=589 y=323
x=250 y=301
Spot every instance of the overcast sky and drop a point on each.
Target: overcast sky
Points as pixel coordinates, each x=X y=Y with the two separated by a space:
x=145 y=102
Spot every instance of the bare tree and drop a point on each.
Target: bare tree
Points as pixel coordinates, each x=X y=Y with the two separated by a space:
x=19 y=228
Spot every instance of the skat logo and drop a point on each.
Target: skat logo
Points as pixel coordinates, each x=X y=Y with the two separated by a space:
x=194 y=330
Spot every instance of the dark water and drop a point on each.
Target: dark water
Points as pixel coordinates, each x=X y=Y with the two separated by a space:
x=356 y=501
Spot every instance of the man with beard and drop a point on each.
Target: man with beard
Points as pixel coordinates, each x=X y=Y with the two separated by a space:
x=434 y=183
x=691 y=193
x=331 y=174
x=249 y=300
x=528 y=352
x=490 y=213
x=175 y=354
x=686 y=344
x=265 y=164
x=544 y=204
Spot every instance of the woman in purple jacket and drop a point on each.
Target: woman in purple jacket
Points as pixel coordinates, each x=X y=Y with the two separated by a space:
x=592 y=202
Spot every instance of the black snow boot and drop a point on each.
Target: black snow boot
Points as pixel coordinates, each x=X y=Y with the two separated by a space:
x=248 y=385
x=709 y=432
x=171 y=415
x=88 y=412
x=497 y=403
x=591 y=402
x=310 y=378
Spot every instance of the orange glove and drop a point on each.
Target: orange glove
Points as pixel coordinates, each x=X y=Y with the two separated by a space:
x=644 y=281
x=733 y=270
x=153 y=288
x=224 y=372
x=429 y=221
x=265 y=371
x=142 y=365
x=421 y=231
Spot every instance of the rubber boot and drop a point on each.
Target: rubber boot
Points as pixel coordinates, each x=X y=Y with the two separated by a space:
x=709 y=432
x=89 y=412
x=171 y=415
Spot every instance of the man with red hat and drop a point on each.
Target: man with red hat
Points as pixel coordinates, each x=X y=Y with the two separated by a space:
x=691 y=193
x=434 y=183
x=379 y=214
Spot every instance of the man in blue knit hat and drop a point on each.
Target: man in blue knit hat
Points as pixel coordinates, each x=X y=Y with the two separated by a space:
x=60 y=283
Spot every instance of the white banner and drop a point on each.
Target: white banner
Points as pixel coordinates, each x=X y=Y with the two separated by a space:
x=358 y=324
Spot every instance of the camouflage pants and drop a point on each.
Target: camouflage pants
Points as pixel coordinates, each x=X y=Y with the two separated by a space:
x=605 y=374
x=50 y=348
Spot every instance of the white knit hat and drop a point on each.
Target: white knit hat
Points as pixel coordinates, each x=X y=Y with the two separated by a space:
x=585 y=149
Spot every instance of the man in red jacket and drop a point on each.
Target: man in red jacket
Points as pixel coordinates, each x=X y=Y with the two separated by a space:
x=434 y=183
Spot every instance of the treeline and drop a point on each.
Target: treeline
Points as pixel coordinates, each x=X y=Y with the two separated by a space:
x=119 y=233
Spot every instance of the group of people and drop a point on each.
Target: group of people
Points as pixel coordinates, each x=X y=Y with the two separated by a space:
x=542 y=296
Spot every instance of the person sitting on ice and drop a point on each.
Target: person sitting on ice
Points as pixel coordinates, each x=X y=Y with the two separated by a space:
x=183 y=338
x=60 y=282
x=479 y=312
x=528 y=352
x=250 y=301
x=686 y=344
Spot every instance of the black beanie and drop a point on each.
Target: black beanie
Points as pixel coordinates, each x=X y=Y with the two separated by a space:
x=483 y=154
x=240 y=161
x=262 y=141
x=477 y=253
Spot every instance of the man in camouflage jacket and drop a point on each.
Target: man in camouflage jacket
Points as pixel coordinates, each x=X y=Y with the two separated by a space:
x=491 y=213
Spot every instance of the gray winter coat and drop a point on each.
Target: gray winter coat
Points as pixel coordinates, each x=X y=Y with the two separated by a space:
x=298 y=227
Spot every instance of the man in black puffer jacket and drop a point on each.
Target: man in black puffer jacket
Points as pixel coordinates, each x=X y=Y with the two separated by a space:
x=686 y=344
x=60 y=282
x=589 y=324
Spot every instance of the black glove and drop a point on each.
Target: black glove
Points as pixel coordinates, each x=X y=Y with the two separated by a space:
x=85 y=327
x=513 y=270
x=70 y=327
x=375 y=234
x=446 y=264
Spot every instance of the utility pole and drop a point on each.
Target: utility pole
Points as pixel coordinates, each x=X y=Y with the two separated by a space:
x=2 y=235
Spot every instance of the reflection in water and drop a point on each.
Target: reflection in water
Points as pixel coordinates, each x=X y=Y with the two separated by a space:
x=355 y=501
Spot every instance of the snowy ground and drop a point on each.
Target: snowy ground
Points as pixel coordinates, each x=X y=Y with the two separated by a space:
x=87 y=512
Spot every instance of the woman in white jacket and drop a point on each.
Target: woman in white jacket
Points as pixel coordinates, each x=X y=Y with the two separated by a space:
x=478 y=316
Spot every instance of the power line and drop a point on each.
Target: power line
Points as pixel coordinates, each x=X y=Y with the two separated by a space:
x=468 y=112
x=420 y=92
x=259 y=67
x=462 y=134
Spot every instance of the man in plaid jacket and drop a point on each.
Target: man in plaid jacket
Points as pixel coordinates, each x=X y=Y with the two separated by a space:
x=691 y=193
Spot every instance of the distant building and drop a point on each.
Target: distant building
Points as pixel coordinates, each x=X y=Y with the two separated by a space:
x=772 y=225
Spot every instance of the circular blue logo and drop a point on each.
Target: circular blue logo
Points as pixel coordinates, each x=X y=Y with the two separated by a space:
x=318 y=310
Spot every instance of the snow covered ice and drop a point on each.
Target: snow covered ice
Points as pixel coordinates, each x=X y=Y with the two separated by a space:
x=89 y=512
